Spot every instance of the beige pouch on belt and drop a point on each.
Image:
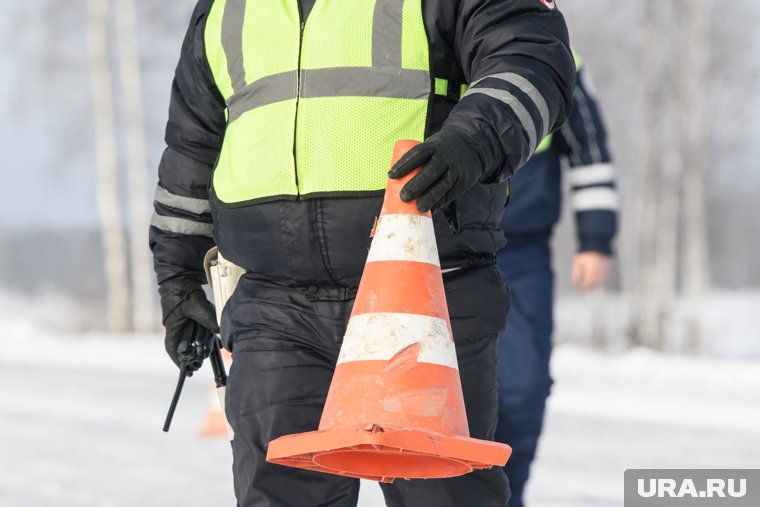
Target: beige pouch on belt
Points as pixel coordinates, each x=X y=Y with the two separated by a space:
x=223 y=276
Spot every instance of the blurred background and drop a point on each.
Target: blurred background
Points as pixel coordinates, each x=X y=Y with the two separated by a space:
x=661 y=369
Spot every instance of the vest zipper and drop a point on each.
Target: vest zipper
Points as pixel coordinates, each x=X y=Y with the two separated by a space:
x=298 y=97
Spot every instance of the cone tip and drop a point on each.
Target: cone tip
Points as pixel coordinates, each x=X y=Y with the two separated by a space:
x=401 y=147
x=392 y=203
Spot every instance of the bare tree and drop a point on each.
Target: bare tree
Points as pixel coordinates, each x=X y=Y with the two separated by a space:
x=144 y=316
x=117 y=296
x=694 y=42
x=671 y=222
x=667 y=191
x=639 y=271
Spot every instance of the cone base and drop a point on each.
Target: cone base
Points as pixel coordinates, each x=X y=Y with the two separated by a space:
x=384 y=454
x=215 y=426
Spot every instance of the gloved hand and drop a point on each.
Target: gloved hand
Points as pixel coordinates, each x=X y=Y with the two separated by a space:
x=452 y=165
x=190 y=322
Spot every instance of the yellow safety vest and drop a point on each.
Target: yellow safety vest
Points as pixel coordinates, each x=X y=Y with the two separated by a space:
x=315 y=107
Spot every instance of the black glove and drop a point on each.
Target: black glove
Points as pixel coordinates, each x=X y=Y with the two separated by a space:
x=190 y=322
x=452 y=165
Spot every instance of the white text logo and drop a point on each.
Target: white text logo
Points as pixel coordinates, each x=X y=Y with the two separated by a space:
x=670 y=488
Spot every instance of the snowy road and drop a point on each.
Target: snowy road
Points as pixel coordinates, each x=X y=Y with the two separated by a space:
x=80 y=426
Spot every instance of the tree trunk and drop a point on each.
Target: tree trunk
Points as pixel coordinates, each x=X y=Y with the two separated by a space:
x=144 y=315
x=695 y=88
x=639 y=267
x=668 y=195
x=114 y=250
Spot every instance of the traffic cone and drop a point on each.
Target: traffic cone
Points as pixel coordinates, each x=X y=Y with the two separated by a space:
x=395 y=407
x=216 y=422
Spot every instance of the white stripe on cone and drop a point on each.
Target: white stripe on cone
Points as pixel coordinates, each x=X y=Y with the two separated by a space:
x=404 y=238
x=380 y=336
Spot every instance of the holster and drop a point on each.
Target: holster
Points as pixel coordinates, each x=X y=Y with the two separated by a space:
x=223 y=277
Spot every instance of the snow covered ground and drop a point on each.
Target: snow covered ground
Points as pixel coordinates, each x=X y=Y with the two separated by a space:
x=81 y=416
x=730 y=325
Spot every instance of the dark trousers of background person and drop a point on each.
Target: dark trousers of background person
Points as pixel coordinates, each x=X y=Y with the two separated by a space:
x=286 y=341
x=524 y=353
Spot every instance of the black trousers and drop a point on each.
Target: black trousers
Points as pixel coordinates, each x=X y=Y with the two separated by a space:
x=286 y=342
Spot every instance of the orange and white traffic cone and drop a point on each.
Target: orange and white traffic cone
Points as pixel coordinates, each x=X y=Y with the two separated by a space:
x=216 y=422
x=395 y=407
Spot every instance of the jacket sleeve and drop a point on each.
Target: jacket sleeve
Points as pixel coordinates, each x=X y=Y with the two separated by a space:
x=181 y=229
x=583 y=140
x=516 y=59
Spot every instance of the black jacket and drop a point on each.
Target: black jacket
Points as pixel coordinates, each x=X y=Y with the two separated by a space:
x=535 y=198
x=324 y=241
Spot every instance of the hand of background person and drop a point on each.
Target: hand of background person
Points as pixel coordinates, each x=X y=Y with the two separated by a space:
x=452 y=164
x=590 y=270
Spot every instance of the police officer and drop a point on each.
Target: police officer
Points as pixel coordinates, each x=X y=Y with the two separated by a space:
x=282 y=122
x=534 y=208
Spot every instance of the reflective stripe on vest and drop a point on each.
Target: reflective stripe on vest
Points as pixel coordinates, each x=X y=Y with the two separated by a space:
x=314 y=108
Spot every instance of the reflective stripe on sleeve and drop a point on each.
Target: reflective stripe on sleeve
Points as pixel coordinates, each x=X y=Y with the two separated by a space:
x=528 y=89
x=182 y=226
x=596 y=198
x=594 y=174
x=197 y=206
x=592 y=135
x=519 y=109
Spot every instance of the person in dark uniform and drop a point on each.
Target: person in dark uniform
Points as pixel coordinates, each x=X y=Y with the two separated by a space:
x=282 y=122
x=534 y=208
